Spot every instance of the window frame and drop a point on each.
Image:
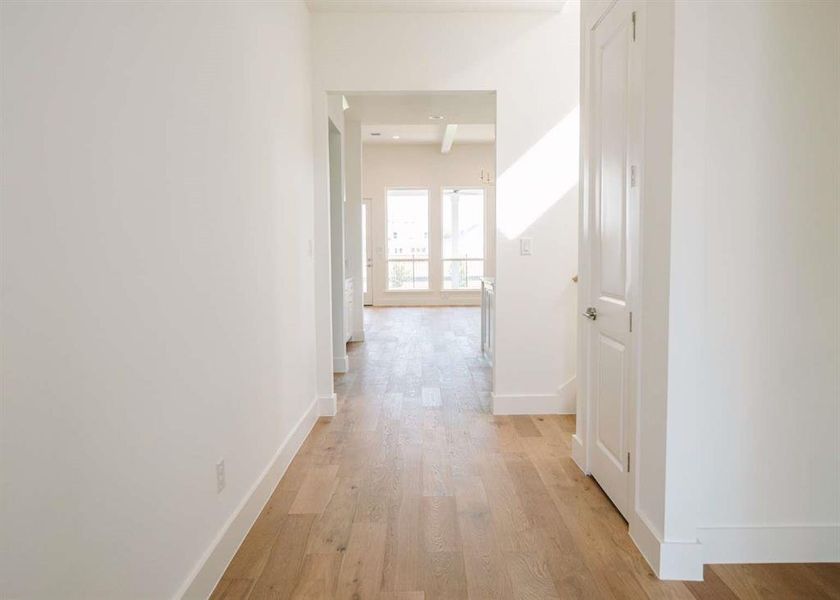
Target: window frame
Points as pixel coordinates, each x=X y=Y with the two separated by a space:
x=443 y=259
x=428 y=260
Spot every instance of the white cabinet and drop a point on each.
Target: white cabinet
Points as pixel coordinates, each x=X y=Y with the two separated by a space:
x=488 y=317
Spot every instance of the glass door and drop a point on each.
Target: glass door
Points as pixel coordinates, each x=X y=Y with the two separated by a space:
x=408 y=239
x=463 y=238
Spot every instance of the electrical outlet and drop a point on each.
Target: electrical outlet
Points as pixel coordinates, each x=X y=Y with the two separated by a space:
x=220 y=476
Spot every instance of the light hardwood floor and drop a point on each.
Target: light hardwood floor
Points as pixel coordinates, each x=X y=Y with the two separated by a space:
x=414 y=491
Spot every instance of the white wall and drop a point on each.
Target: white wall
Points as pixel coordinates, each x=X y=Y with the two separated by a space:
x=156 y=285
x=354 y=261
x=656 y=31
x=754 y=344
x=531 y=61
x=328 y=111
x=337 y=264
x=423 y=166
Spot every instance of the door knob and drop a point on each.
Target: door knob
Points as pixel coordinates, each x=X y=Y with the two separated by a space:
x=591 y=313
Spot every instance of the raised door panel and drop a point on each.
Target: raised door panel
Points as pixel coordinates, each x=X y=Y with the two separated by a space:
x=613 y=162
x=611 y=397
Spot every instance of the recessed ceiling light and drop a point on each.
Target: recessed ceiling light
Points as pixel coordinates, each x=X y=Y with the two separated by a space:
x=436 y=117
x=395 y=137
x=375 y=134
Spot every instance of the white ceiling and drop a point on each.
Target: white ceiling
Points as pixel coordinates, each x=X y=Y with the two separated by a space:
x=406 y=115
x=434 y=5
x=428 y=134
x=407 y=109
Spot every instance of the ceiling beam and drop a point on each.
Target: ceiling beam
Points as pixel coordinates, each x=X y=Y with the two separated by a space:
x=448 y=138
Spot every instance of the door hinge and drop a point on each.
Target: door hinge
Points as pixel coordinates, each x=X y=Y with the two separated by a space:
x=631 y=322
x=632 y=176
x=634 y=25
x=628 y=462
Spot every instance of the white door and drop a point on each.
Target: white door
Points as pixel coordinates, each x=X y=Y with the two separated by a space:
x=367 y=254
x=614 y=213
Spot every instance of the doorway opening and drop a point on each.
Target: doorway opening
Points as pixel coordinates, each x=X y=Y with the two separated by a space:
x=417 y=211
x=427 y=191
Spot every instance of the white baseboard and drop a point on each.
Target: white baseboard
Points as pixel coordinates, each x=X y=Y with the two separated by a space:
x=211 y=567
x=526 y=404
x=682 y=561
x=561 y=403
x=402 y=298
x=568 y=397
x=341 y=364
x=327 y=405
x=646 y=539
x=734 y=545
x=579 y=453
x=770 y=544
x=358 y=336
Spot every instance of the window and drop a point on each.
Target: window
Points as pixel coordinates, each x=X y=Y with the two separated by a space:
x=408 y=239
x=463 y=238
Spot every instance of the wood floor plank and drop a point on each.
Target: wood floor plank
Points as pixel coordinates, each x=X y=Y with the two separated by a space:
x=281 y=574
x=316 y=490
x=509 y=517
x=483 y=558
x=232 y=589
x=392 y=406
x=470 y=495
x=376 y=493
x=318 y=576
x=331 y=530
x=825 y=575
x=361 y=569
x=440 y=524
x=431 y=397
x=403 y=570
x=580 y=585
x=437 y=476
x=403 y=596
x=771 y=582
x=415 y=491
x=530 y=577
x=251 y=558
x=711 y=588
x=444 y=576
x=525 y=426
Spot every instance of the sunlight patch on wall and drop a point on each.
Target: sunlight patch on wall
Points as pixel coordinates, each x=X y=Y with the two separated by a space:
x=540 y=177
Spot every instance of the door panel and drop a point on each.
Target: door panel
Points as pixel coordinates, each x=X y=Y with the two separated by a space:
x=615 y=91
x=611 y=386
x=614 y=97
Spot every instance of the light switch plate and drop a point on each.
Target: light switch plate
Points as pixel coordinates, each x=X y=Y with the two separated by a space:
x=526 y=246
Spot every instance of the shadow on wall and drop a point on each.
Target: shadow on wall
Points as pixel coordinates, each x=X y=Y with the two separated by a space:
x=540 y=177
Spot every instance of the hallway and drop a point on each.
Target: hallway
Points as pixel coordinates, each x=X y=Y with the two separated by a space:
x=415 y=491
x=200 y=199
